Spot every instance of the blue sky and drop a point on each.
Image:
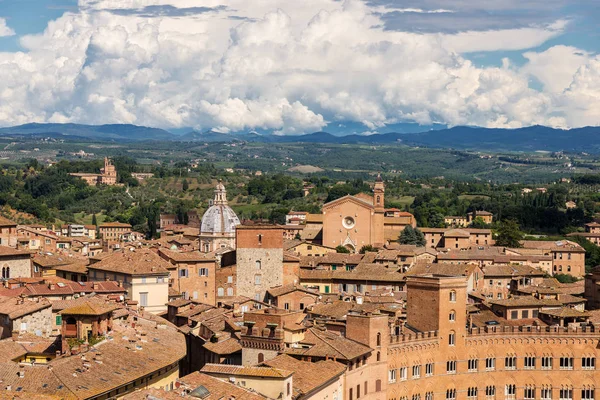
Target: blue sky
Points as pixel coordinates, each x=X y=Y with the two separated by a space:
x=296 y=67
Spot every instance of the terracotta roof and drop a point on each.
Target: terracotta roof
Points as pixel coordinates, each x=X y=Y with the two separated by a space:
x=308 y=376
x=52 y=260
x=281 y=290
x=228 y=346
x=6 y=222
x=187 y=256
x=511 y=270
x=10 y=252
x=137 y=262
x=442 y=269
x=16 y=307
x=324 y=344
x=239 y=370
x=218 y=389
x=565 y=312
x=89 y=307
x=114 y=225
x=526 y=301
x=561 y=245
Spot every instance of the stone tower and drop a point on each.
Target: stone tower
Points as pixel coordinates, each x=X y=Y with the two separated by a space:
x=259 y=256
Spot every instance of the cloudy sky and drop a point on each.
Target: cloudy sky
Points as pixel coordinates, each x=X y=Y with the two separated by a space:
x=295 y=67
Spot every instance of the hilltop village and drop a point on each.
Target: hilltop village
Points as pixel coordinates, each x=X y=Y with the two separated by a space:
x=327 y=306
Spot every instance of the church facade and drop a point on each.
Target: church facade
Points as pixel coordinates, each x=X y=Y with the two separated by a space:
x=357 y=221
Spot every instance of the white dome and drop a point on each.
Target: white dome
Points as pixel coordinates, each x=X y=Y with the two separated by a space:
x=219 y=219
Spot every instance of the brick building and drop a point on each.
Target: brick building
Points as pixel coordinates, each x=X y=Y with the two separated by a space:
x=8 y=232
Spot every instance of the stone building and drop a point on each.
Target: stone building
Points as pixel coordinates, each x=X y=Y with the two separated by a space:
x=458 y=239
x=259 y=259
x=217 y=229
x=192 y=274
x=21 y=315
x=486 y=216
x=15 y=263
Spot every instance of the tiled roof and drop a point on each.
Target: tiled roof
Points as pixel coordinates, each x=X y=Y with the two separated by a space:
x=442 y=269
x=526 y=301
x=52 y=260
x=322 y=343
x=6 y=222
x=561 y=245
x=114 y=225
x=17 y=307
x=308 y=376
x=10 y=252
x=281 y=290
x=228 y=346
x=565 y=312
x=187 y=256
x=137 y=262
x=217 y=388
x=90 y=307
x=265 y=372
x=511 y=270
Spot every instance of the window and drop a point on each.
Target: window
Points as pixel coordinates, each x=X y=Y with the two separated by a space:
x=257 y=279
x=144 y=299
x=451 y=394
x=535 y=313
x=378 y=385
x=366 y=391
x=452 y=316
x=510 y=362
x=183 y=273
x=261 y=357
x=286 y=306
x=588 y=363
x=472 y=393
x=392 y=376
x=490 y=364
x=566 y=394
x=229 y=291
x=258 y=264
x=525 y=314
x=378 y=339
x=529 y=393
x=230 y=279
x=416 y=371
x=587 y=394
x=195 y=295
x=220 y=292
x=429 y=369
x=566 y=363
x=429 y=396
x=510 y=391
x=546 y=393
x=529 y=362
x=203 y=271
x=451 y=338
x=514 y=314
x=259 y=239
x=59 y=320
x=378 y=356
x=358 y=391
x=451 y=367
x=473 y=365
x=403 y=373
x=490 y=392
x=416 y=397
x=546 y=362
x=452 y=296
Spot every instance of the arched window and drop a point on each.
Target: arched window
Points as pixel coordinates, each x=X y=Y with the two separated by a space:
x=451 y=338
x=229 y=291
x=378 y=338
x=258 y=264
x=378 y=199
x=7 y=273
x=378 y=385
x=378 y=356
x=220 y=292
x=259 y=239
x=452 y=316
x=452 y=296
x=261 y=357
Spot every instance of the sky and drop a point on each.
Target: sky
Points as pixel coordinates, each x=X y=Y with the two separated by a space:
x=295 y=67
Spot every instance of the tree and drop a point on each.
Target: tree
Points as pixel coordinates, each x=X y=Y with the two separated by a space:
x=565 y=278
x=342 y=249
x=298 y=237
x=366 y=248
x=94 y=220
x=478 y=223
x=185 y=185
x=509 y=234
x=412 y=235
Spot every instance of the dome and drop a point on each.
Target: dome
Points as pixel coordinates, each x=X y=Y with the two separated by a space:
x=219 y=219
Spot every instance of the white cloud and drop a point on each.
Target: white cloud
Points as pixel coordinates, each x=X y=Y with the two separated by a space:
x=289 y=67
x=555 y=68
x=5 y=30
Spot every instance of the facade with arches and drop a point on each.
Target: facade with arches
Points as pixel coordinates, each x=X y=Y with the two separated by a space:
x=360 y=220
x=15 y=263
x=449 y=361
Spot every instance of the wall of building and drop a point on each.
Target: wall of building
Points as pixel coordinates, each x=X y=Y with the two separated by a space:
x=20 y=266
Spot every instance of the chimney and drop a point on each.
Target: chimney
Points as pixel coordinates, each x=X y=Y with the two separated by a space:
x=21 y=371
x=95 y=285
x=52 y=286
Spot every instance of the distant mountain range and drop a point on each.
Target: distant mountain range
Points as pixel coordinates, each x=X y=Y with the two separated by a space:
x=534 y=138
